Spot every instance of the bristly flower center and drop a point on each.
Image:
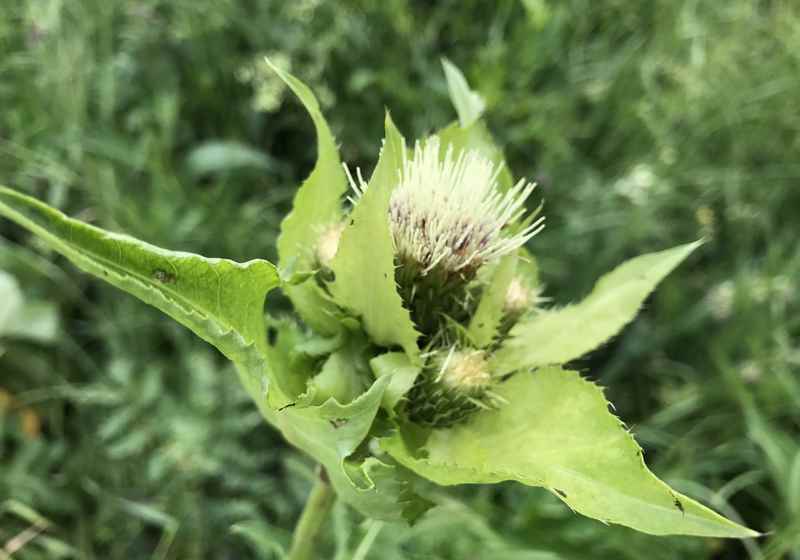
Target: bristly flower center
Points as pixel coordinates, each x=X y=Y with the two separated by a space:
x=449 y=216
x=448 y=211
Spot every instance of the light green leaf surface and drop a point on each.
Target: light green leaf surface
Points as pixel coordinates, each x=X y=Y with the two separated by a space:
x=317 y=205
x=220 y=300
x=557 y=336
x=476 y=137
x=331 y=433
x=345 y=372
x=389 y=494
x=402 y=371
x=364 y=264
x=484 y=323
x=468 y=103
x=290 y=369
x=557 y=432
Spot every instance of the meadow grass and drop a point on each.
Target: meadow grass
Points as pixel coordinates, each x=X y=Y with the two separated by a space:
x=647 y=124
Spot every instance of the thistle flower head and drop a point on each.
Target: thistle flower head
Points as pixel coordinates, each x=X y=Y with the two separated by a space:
x=449 y=212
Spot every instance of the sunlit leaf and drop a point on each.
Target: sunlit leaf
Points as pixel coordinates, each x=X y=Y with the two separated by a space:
x=219 y=300
x=556 y=336
x=364 y=264
x=317 y=205
x=402 y=371
x=557 y=432
x=484 y=323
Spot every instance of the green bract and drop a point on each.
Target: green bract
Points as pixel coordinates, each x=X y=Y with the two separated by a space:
x=345 y=379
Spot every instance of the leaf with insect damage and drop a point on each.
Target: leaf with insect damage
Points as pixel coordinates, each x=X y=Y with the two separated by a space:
x=221 y=301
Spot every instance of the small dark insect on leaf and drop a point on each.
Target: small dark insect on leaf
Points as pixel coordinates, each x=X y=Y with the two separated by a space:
x=284 y=407
x=163 y=276
x=352 y=222
x=561 y=493
x=679 y=505
x=338 y=422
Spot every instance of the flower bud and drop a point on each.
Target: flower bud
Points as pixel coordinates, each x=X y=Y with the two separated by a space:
x=328 y=244
x=451 y=389
x=465 y=370
x=519 y=297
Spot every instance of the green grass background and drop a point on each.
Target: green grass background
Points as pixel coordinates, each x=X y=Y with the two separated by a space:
x=646 y=123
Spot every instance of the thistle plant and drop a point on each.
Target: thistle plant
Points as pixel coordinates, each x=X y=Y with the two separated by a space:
x=420 y=346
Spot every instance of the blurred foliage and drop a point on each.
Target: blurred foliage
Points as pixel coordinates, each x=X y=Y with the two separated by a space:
x=647 y=124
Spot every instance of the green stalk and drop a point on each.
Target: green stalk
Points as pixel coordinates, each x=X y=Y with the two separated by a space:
x=306 y=532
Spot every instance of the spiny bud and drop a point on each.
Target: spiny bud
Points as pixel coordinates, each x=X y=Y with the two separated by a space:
x=454 y=386
x=519 y=297
x=465 y=370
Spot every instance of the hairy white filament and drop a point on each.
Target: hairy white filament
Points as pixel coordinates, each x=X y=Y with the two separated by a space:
x=449 y=212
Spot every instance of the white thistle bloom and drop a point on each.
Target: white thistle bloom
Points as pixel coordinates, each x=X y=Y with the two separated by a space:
x=449 y=212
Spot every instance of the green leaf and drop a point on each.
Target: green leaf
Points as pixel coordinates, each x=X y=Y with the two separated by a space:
x=220 y=156
x=330 y=433
x=557 y=432
x=317 y=205
x=557 y=336
x=402 y=371
x=290 y=368
x=476 y=137
x=345 y=372
x=486 y=320
x=220 y=300
x=468 y=103
x=364 y=263
x=387 y=491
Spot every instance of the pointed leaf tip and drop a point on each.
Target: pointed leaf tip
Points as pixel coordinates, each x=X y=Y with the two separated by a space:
x=557 y=432
x=557 y=336
x=468 y=104
x=317 y=207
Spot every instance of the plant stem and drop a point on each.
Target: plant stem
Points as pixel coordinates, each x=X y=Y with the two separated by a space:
x=306 y=532
x=366 y=544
